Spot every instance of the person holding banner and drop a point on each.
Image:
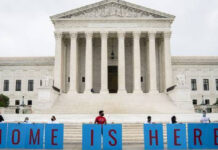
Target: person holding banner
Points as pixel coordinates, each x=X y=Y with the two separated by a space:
x=101 y=120
x=148 y=120
x=204 y=118
x=26 y=120
x=173 y=120
x=1 y=118
x=53 y=119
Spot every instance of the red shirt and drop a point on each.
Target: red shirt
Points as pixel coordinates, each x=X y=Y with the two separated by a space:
x=100 y=120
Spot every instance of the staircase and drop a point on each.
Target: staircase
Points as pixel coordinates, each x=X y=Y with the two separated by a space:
x=132 y=133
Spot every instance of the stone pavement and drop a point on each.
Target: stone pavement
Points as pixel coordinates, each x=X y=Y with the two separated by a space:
x=125 y=147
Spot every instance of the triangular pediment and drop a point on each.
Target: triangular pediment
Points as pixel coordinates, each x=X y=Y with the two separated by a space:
x=112 y=9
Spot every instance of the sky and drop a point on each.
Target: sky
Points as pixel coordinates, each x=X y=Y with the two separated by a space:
x=26 y=29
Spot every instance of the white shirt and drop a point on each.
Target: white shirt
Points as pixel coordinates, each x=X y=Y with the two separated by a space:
x=205 y=120
x=53 y=122
x=27 y=122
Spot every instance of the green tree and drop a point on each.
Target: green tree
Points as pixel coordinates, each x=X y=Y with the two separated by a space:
x=216 y=103
x=4 y=101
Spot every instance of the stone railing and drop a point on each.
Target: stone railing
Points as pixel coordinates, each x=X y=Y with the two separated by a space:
x=17 y=110
x=208 y=108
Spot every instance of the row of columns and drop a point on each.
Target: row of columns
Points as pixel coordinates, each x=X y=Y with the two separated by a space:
x=121 y=62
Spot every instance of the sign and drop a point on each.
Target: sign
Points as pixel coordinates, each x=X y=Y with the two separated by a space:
x=34 y=136
x=176 y=136
x=91 y=136
x=112 y=137
x=50 y=136
x=3 y=134
x=153 y=136
x=197 y=136
x=16 y=135
x=54 y=135
x=212 y=135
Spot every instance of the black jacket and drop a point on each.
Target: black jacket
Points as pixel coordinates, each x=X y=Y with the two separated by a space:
x=1 y=118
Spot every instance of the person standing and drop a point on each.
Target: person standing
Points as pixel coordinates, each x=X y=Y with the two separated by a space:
x=26 y=120
x=149 y=120
x=53 y=119
x=1 y=118
x=173 y=120
x=204 y=118
x=100 y=119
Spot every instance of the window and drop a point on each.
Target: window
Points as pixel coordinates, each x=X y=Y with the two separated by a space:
x=40 y=82
x=17 y=102
x=18 y=85
x=6 y=85
x=29 y=102
x=217 y=84
x=207 y=102
x=209 y=110
x=206 y=84
x=194 y=102
x=30 y=85
x=194 y=84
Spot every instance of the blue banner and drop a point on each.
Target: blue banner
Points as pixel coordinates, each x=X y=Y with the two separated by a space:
x=91 y=136
x=54 y=135
x=16 y=135
x=34 y=136
x=176 y=136
x=212 y=130
x=112 y=137
x=3 y=134
x=153 y=136
x=31 y=136
x=197 y=136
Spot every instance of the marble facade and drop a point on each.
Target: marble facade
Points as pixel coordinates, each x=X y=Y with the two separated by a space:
x=111 y=55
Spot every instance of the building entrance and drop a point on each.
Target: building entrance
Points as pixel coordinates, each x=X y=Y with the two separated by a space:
x=113 y=79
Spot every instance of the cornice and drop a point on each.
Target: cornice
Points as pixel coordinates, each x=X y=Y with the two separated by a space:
x=49 y=61
x=26 y=61
x=194 y=60
x=64 y=15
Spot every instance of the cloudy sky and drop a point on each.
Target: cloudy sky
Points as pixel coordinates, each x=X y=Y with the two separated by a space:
x=26 y=30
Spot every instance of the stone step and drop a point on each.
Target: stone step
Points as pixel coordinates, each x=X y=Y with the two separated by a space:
x=131 y=133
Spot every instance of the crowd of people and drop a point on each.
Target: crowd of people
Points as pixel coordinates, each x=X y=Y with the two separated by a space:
x=27 y=120
x=102 y=120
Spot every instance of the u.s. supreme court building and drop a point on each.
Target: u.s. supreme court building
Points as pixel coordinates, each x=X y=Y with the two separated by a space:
x=111 y=55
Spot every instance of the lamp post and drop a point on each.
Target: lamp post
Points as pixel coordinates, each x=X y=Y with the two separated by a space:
x=112 y=53
x=204 y=107
x=202 y=103
x=22 y=105
x=22 y=102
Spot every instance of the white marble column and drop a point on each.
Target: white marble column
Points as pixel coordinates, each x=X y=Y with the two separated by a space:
x=88 y=63
x=136 y=63
x=73 y=62
x=152 y=63
x=121 y=63
x=58 y=61
x=167 y=60
x=104 y=63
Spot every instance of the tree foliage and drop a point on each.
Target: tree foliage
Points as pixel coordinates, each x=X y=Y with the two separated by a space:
x=4 y=100
x=216 y=103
